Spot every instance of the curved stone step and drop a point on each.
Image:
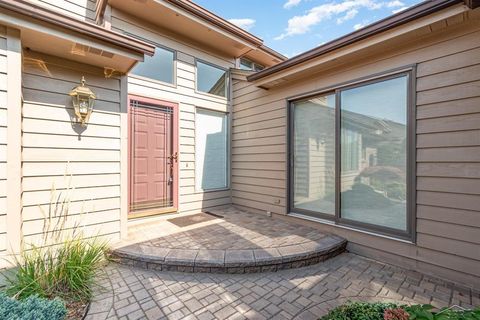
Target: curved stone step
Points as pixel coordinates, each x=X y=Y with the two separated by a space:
x=230 y=260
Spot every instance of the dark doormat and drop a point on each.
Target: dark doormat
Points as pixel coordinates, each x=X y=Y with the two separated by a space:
x=193 y=219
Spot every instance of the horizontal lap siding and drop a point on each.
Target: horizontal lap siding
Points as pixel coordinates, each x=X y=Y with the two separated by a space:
x=183 y=93
x=3 y=138
x=258 y=152
x=82 y=166
x=79 y=9
x=448 y=152
x=448 y=157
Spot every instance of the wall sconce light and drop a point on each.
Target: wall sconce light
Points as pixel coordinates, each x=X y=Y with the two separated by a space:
x=82 y=99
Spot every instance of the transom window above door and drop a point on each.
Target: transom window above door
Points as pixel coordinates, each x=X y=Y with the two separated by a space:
x=350 y=156
x=161 y=66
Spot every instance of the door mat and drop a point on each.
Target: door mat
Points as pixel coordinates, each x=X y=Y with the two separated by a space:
x=193 y=219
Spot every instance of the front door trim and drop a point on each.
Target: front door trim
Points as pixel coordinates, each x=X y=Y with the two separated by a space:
x=175 y=143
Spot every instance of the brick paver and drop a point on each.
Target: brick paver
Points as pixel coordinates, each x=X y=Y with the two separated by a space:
x=304 y=293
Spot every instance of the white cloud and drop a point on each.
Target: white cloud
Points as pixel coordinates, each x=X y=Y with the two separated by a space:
x=246 y=23
x=358 y=26
x=291 y=3
x=400 y=9
x=395 y=3
x=362 y=24
x=347 y=8
x=348 y=16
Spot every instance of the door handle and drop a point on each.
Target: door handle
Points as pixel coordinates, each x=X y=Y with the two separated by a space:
x=173 y=157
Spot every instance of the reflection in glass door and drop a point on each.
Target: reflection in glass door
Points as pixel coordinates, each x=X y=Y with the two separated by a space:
x=313 y=139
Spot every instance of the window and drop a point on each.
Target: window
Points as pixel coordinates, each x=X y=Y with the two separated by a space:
x=211 y=150
x=212 y=80
x=358 y=174
x=246 y=64
x=158 y=67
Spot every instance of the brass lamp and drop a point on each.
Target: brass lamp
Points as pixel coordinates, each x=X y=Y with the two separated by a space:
x=82 y=99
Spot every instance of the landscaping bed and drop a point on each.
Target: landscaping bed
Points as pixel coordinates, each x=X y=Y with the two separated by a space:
x=393 y=311
x=58 y=280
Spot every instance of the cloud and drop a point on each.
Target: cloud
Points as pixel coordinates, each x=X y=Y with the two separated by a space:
x=400 y=9
x=358 y=26
x=361 y=24
x=348 y=16
x=291 y=3
x=246 y=23
x=347 y=8
x=395 y=3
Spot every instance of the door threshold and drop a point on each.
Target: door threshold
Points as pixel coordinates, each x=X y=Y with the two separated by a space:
x=151 y=212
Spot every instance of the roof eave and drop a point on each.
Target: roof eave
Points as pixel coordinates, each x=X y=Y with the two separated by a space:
x=421 y=10
x=91 y=30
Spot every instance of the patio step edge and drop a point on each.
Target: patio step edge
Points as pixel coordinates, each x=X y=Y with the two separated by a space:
x=230 y=260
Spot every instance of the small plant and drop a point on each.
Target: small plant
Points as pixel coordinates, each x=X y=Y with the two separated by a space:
x=64 y=264
x=391 y=311
x=32 y=308
x=395 y=314
x=424 y=312
x=66 y=271
x=359 y=311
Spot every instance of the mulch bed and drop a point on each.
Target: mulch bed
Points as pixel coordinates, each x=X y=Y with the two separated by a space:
x=76 y=310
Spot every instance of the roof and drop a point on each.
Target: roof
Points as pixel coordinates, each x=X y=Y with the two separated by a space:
x=88 y=29
x=415 y=12
x=208 y=16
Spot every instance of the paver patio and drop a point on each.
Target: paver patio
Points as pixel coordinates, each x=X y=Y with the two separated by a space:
x=227 y=240
x=303 y=293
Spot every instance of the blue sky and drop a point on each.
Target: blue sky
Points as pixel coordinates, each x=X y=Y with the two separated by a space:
x=294 y=26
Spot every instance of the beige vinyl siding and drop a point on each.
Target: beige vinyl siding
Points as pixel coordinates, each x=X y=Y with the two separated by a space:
x=79 y=9
x=448 y=151
x=182 y=92
x=81 y=165
x=3 y=138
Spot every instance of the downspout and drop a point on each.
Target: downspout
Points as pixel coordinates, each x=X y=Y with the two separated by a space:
x=230 y=128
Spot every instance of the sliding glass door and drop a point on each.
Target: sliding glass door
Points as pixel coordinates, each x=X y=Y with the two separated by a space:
x=349 y=155
x=374 y=153
x=313 y=176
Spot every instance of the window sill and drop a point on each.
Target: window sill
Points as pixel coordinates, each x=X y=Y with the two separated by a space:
x=212 y=190
x=211 y=95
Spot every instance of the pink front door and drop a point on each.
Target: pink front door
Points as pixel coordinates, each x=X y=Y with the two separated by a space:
x=153 y=156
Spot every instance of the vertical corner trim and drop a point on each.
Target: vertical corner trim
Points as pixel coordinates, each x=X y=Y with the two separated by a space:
x=14 y=142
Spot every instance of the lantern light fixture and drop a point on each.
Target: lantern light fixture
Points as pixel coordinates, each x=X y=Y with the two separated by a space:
x=83 y=99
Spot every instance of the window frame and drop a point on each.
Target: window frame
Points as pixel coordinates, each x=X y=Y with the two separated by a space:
x=410 y=233
x=227 y=80
x=174 y=84
x=227 y=150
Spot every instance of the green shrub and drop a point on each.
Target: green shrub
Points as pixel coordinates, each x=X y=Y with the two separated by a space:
x=424 y=312
x=65 y=271
x=376 y=311
x=359 y=311
x=32 y=308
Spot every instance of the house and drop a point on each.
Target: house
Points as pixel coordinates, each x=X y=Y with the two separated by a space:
x=373 y=136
